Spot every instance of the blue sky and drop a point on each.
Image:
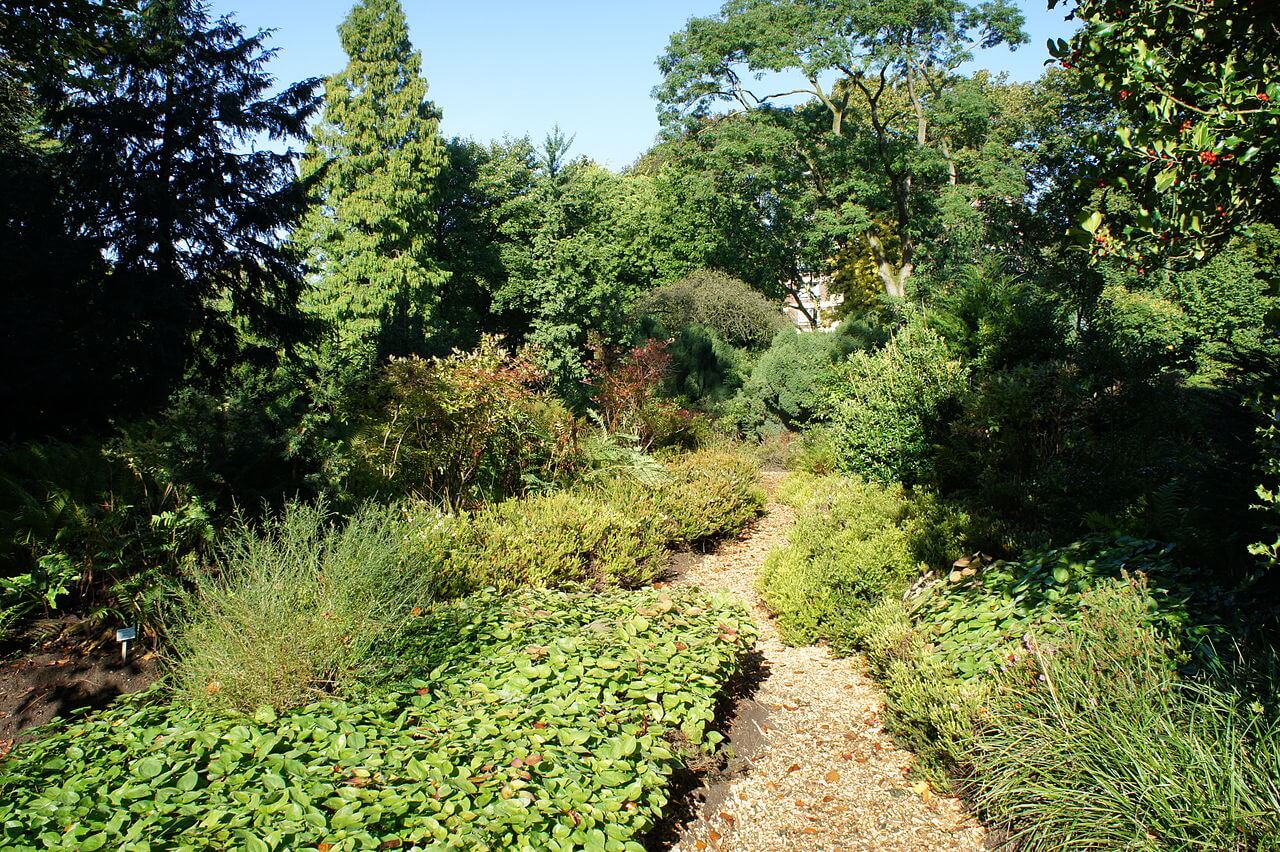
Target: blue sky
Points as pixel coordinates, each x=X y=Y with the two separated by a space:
x=516 y=67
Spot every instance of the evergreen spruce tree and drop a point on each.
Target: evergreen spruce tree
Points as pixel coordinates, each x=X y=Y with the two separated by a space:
x=375 y=158
x=140 y=240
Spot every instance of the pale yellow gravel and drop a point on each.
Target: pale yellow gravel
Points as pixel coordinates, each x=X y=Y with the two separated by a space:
x=822 y=773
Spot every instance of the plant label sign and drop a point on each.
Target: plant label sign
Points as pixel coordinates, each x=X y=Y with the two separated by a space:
x=123 y=635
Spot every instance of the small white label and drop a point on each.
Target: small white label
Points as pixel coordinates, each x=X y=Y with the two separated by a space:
x=124 y=634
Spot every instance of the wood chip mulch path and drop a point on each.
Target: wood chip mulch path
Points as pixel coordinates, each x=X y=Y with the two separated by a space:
x=814 y=769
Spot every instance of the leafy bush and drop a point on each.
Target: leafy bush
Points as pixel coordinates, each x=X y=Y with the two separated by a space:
x=884 y=407
x=560 y=539
x=625 y=390
x=535 y=721
x=462 y=429
x=997 y=322
x=295 y=607
x=854 y=543
x=1097 y=743
x=941 y=656
x=663 y=424
x=729 y=308
x=1268 y=407
x=1137 y=334
x=1227 y=300
x=606 y=457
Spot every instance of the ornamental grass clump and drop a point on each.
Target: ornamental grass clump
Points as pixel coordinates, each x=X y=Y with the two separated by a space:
x=1098 y=742
x=295 y=606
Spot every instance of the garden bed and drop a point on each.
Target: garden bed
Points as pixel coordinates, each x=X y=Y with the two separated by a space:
x=550 y=720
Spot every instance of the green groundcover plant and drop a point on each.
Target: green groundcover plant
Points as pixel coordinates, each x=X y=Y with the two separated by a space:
x=541 y=720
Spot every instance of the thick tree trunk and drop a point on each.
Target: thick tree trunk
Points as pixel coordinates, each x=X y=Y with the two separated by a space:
x=893 y=276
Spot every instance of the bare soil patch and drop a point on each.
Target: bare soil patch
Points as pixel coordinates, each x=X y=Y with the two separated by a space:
x=63 y=674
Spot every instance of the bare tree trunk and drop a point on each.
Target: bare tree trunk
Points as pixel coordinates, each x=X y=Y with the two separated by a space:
x=794 y=288
x=894 y=277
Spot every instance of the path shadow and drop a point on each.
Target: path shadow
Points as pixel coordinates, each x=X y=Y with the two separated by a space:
x=703 y=783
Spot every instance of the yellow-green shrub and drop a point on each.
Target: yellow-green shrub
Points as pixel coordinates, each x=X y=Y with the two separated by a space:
x=854 y=543
x=705 y=494
x=607 y=532
x=560 y=538
x=927 y=708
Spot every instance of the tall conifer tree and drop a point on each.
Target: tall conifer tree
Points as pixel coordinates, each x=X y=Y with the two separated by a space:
x=376 y=158
x=140 y=240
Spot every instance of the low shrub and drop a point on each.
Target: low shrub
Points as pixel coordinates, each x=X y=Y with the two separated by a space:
x=926 y=708
x=295 y=606
x=712 y=493
x=814 y=452
x=854 y=543
x=1098 y=743
x=559 y=539
x=706 y=494
x=610 y=530
x=540 y=720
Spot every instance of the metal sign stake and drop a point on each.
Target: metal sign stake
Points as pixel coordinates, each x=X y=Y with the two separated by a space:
x=123 y=635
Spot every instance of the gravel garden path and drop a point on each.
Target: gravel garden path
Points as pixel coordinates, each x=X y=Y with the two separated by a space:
x=811 y=766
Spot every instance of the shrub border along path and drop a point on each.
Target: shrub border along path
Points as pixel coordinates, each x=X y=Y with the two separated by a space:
x=814 y=767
